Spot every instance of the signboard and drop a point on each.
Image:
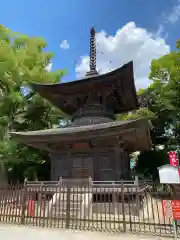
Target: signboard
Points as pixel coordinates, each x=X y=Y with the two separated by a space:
x=173 y=159
x=167 y=208
x=176 y=209
x=171 y=209
x=169 y=174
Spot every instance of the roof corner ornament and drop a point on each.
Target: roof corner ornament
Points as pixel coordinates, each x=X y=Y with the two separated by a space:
x=92 y=63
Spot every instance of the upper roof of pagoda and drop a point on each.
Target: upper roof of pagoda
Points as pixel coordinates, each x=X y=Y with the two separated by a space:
x=116 y=88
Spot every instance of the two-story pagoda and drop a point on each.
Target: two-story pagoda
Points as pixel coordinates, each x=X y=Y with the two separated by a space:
x=94 y=144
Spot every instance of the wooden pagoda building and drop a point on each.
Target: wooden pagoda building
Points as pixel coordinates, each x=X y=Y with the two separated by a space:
x=94 y=144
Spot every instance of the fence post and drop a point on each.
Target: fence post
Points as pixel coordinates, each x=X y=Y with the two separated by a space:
x=114 y=200
x=90 y=196
x=68 y=204
x=123 y=208
x=43 y=202
x=90 y=181
x=60 y=185
x=23 y=203
x=136 y=181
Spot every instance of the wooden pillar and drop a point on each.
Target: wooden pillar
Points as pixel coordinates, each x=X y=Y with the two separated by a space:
x=52 y=167
x=92 y=161
x=119 y=163
x=122 y=161
x=92 y=166
x=121 y=151
x=70 y=163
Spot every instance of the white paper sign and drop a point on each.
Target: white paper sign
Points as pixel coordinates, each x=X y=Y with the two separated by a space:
x=169 y=174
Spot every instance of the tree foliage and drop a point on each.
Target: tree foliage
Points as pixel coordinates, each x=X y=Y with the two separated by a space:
x=23 y=60
x=160 y=103
x=148 y=163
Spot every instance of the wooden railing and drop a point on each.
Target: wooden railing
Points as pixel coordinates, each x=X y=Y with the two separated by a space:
x=105 y=206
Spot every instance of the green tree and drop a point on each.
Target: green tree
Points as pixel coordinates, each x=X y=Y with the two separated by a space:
x=148 y=163
x=23 y=60
x=160 y=103
x=165 y=72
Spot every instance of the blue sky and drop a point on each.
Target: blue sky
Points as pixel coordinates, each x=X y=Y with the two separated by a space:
x=70 y=20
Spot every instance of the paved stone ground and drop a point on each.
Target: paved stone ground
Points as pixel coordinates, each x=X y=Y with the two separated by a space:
x=13 y=232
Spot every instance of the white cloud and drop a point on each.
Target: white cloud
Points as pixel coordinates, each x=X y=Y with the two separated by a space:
x=174 y=15
x=64 y=44
x=161 y=33
x=49 y=67
x=129 y=43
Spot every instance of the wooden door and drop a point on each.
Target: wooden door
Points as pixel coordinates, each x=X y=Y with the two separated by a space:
x=82 y=167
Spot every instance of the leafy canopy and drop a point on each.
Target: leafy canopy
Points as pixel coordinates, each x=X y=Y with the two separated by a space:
x=23 y=60
x=160 y=103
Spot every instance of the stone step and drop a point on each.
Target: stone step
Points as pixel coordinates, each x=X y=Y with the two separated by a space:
x=64 y=204
x=71 y=198
x=65 y=209
x=71 y=209
x=71 y=212
x=65 y=201
x=77 y=208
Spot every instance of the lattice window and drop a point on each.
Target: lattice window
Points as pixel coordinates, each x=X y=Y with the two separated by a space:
x=82 y=162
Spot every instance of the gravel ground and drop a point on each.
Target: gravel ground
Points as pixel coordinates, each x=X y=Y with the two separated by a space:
x=13 y=232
